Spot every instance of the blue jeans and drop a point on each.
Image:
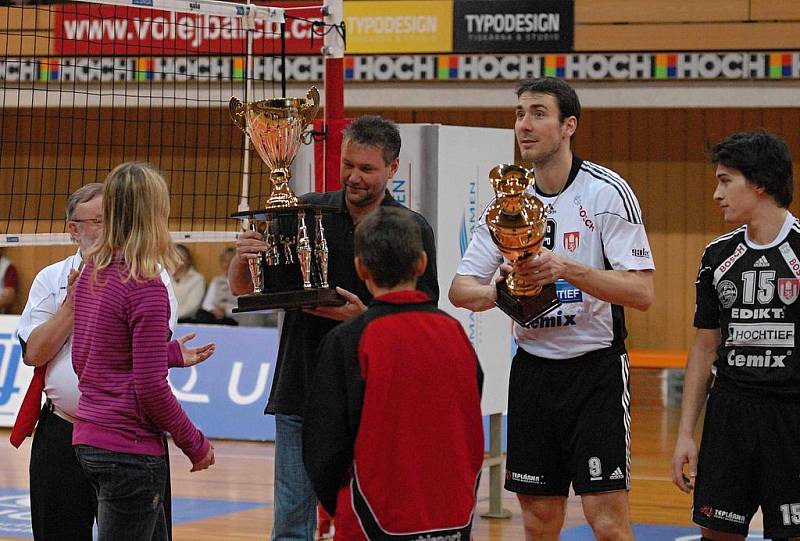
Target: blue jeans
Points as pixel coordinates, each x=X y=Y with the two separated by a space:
x=295 y=502
x=130 y=493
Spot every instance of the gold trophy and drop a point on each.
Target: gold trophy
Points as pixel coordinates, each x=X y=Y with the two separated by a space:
x=517 y=222
x=292 y=272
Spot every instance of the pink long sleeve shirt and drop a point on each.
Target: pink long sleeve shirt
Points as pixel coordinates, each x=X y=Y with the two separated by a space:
x=120 y=354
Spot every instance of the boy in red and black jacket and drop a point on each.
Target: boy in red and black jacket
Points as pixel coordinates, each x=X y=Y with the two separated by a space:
x=393 y=433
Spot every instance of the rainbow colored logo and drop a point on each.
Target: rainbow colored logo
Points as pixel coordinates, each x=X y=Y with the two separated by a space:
x=554 y=65
x=144 y=69
x=48 y=69
x=780 y=65
x=238 y=68
x=666 y=66
x=447 y=67
x=349 y=62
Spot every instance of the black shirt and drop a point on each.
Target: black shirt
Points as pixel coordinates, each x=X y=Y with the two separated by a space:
x=302 y=333
x=750 y=293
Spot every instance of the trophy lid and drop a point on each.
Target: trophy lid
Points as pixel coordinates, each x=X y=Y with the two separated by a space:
x=509 y=179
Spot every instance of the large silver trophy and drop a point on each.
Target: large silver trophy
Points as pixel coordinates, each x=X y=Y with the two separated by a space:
x=517 y=221
x=293 y=270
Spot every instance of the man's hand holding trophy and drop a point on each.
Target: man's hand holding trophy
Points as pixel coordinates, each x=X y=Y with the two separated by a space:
x=517 y=222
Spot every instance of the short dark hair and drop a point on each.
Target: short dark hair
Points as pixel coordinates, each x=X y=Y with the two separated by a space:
x=375 y=131
x=568 y=102
x=763 y=159
x=389 y=244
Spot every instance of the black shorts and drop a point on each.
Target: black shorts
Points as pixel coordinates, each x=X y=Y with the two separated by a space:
x=569 y=423
x=749 y=457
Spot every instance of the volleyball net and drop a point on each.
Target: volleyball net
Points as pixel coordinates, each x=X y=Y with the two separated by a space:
x=89 y=85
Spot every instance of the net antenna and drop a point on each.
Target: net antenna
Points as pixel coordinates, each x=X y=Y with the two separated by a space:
x=333 y=52
x=248 y=91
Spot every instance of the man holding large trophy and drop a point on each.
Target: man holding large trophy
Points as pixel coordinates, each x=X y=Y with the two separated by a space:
x=575 y=228
x=305 y=265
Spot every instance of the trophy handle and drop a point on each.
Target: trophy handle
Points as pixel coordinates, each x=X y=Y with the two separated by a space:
x=237 y=110
x=495 y=178
x=311 y=107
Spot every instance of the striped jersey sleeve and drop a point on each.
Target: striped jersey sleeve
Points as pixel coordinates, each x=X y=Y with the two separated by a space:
x=150 y=349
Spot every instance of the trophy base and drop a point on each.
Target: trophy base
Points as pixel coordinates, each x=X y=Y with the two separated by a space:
x=289 y=300
x=524 y=310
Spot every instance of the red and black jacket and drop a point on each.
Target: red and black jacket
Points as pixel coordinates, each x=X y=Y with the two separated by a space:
x=392 y=432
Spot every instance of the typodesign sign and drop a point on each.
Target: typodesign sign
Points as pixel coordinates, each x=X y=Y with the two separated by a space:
x=399 y=27
x=509 y=26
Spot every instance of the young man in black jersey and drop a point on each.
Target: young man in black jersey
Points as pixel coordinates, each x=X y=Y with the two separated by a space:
x=744 y=358
x=393 y=434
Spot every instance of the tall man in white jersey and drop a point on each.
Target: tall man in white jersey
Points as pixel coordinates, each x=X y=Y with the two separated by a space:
x=569 y=397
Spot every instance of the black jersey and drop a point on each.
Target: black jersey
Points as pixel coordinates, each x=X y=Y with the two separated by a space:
x=749 y=292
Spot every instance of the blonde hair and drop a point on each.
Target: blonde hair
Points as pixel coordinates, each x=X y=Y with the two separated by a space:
x=135 y=222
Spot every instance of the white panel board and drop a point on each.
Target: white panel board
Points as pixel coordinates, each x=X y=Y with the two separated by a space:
x=444 y=175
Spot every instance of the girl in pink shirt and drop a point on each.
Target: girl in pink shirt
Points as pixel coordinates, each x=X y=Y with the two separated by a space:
x=121 y=354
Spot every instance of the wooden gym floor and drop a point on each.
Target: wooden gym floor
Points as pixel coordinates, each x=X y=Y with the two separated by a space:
x=244 y=473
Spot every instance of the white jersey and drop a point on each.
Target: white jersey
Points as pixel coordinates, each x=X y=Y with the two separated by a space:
x=47 y=294
x=597 y=221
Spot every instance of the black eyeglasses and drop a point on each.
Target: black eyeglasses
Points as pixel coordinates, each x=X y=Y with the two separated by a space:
x=93 y=221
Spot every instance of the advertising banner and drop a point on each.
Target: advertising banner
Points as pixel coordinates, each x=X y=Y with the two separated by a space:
x=399 y=27
x=729 y=66
x=225 y=395
x=376 y=27
x=513 y=26
x=14 y=375
x=95 y=29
